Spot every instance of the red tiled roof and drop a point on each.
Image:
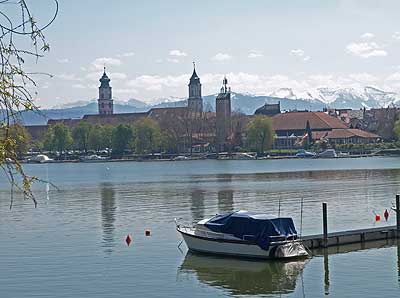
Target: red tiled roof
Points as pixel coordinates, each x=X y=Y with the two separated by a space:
x=344 y=134
x=298 y=121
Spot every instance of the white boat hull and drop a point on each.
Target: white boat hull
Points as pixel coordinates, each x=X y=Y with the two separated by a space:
x=240 y=248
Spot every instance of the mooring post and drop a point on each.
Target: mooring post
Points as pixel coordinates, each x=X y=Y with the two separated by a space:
x=398 y=215
x=325 y=223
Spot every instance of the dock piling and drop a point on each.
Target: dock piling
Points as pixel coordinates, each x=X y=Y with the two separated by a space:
x=325 y=223
x=398 y=215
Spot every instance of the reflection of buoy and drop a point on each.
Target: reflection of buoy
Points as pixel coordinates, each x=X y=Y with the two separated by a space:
x=386 y=214
x=377 y=217
x=147 y=232
x=128 y=239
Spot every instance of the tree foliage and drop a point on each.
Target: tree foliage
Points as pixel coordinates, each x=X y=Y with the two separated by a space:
x=396 y=129
x=58 y=138
x=147 y=136
x=80 y=134
x=121 y=138
x=260 y=133
x=17 y=27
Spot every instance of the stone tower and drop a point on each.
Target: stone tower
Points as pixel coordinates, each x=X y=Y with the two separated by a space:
x=223 y=114
x=105 y=96
x=195 y=101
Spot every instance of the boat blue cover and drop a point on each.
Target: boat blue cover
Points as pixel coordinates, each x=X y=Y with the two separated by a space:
x=255 y=227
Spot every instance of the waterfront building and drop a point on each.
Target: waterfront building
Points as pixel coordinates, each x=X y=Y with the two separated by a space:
x=269 y=109
x=105 y=100
x=292 y=127
x=195 y=101
x=223 y=118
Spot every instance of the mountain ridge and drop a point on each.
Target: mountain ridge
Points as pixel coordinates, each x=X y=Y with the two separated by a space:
x=368 y=97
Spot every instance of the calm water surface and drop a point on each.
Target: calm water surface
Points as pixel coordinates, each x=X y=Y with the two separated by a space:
x=73 y=245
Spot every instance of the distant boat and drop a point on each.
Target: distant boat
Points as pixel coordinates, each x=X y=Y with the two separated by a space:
x=40 y=158
x=244 y=234
x=305 y=154
x=181 y=157
x=330 y=153
x=243 y=156
x=93 y=158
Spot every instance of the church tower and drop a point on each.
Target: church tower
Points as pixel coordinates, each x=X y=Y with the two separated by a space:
x=105 y=96
x=195 y=101
x=223 y=115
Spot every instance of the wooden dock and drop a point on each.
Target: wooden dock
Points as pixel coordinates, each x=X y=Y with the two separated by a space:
x=350 y=237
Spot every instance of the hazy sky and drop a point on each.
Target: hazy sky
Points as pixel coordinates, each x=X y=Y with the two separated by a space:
x=148 y=46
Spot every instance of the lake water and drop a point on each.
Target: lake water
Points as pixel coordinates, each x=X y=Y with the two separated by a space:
x=73 y=245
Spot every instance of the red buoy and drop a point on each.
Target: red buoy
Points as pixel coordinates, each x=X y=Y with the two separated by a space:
x=128 y=240
x=377 y=217
x=386 y=214
x=147 y=232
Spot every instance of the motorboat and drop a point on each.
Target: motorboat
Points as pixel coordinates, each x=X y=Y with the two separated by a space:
x=244 y=234
x=40 y=158
x=330 y=153
x=93 y=158
x=305 y=154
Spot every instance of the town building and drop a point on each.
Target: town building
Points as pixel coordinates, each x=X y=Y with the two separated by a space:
x=105 y=100
x=269 y=109
x=292 y=129
x=195 y=101
x=223 y=118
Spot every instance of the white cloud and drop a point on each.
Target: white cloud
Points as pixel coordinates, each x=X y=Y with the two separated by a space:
x=366 y=49
x=114 y=76
x=173 y=60
x=394 y=77
x=297 y=52
x=177 y=53
x=117 y=76
x=78 y=86
x=63 y=60
x=300 y=53
x=127 y=54
x=255 y=54
x=367 y=35
x=396 y=35
x=363 y=77
x=99 y=63
x=221 y=57
x=69 y=77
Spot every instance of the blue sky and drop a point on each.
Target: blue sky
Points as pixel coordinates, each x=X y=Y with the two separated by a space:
x=148 y=46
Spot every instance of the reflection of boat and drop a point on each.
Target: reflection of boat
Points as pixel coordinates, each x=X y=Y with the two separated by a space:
x=330 y=153
x=244 y=234
x=40 y=158
x=244 y=277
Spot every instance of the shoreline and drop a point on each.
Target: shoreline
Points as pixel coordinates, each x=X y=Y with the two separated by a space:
x=200 y=158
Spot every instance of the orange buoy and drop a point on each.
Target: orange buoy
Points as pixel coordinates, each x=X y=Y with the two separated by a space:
x=128 y=240
x=377 y=217
x=147 y=233
x=386 y=214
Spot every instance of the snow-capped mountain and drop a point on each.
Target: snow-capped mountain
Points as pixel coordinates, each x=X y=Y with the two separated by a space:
x=312 y=100
x=369 y=97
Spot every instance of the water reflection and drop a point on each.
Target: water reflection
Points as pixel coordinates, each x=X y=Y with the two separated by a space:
x=244 y=277
x=225 y=201
x=398 y=259
x=326 y=272
x=108 y=208
x=197 y=204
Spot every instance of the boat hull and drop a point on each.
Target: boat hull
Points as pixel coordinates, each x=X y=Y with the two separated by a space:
x=238 y=248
